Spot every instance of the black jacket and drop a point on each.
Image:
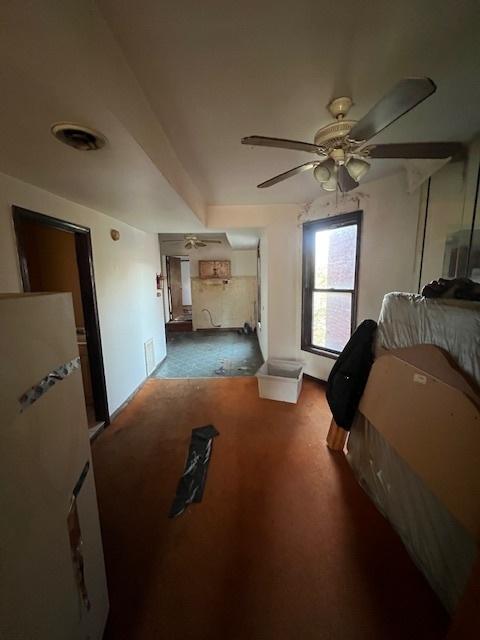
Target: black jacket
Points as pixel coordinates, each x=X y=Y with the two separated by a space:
x=349 y=375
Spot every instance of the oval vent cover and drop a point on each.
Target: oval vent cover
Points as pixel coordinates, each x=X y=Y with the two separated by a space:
x=78 y=136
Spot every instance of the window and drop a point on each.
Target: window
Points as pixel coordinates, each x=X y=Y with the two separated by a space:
x=330 y=274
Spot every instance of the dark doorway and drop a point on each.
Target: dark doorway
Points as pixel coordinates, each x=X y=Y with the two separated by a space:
x=179 y=293
x=57 y=256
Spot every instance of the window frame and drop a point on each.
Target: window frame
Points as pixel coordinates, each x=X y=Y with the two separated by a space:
x=259 y=285
x=308 y=276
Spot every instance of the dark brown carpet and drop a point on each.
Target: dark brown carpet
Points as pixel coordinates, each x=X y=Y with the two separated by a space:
x=284 y=546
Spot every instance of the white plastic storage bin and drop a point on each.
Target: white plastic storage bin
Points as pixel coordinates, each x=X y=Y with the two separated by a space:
x=280 y=380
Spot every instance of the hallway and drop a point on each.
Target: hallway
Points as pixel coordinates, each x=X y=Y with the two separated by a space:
x=284 y=546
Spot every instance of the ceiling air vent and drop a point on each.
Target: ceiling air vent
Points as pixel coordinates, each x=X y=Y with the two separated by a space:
x=78 y=137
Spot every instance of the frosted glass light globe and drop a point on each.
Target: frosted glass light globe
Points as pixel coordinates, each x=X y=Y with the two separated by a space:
x=322 y=173
x=330 y=184
x=357 y=168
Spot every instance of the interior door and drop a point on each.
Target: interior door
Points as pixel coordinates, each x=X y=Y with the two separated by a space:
x=175 y=276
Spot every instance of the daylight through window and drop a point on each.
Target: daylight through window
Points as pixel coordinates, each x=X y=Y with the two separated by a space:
x=329 y=282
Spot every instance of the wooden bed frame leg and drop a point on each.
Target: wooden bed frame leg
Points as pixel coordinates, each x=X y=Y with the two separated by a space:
x=337 y=437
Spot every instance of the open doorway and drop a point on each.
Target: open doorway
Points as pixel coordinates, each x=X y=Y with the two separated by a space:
x=210 y=306
x=179 y=286
x=57 y=256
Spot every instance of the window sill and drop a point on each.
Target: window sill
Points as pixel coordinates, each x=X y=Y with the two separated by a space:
x=320 y=352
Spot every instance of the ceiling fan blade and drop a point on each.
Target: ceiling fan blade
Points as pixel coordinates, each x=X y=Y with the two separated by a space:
x=416 y=150
x=263 y=141
x=213 y=241
x=345 y=180
x=200 y=243
x=397 y=102
x=288 y=174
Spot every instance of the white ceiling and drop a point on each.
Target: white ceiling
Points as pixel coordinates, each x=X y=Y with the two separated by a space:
x=59 y=61
x=216 y=71
x=175 y=85
x=244 y=238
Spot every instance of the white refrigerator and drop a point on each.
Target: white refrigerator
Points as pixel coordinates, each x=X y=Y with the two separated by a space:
x=52 y=575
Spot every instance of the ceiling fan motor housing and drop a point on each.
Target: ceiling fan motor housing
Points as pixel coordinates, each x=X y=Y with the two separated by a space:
x=343 y=155
x=333 y=134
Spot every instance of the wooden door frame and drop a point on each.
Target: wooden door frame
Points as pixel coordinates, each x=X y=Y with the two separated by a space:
x=169 y=288
x=83 y=246
x=183 y=258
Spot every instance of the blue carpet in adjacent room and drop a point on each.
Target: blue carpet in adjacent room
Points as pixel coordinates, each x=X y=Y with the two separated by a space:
x=210 y=354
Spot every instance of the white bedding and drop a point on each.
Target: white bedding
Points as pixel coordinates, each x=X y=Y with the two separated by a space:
x=438 y=544
x=408 y=319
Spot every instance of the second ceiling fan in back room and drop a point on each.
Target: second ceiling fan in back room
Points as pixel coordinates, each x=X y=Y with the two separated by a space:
x=194 y=242
x=342 y=144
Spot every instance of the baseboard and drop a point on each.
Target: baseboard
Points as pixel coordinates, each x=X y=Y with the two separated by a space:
x=134 y=393
x=94 y=432
x=116 y=413
x=159 y=363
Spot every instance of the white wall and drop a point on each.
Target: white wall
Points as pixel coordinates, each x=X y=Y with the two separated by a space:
x=445 y=213
x=130 y=313
x=284 y=271
x=230 y=304
x=387 y=259
x=451 y=205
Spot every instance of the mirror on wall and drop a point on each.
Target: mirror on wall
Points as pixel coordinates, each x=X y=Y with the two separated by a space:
x=451 y=245
x=443 y=248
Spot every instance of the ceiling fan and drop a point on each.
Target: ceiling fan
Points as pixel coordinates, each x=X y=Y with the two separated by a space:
x=194 y=242
x=341 y=145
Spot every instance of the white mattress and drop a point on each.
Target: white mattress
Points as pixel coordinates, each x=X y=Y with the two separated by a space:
x=438 y=544
x=408 y=319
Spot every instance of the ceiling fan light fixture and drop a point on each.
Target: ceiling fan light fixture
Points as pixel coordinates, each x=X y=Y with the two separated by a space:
x=323 y=172
x=330 y=184
x=357 y=168
x=339 y=141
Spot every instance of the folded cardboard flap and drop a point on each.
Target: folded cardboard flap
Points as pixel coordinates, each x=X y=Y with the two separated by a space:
x=433 y=422
x=438 y=363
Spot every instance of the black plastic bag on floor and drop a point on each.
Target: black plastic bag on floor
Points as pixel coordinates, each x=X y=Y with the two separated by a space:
x=192 y=483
